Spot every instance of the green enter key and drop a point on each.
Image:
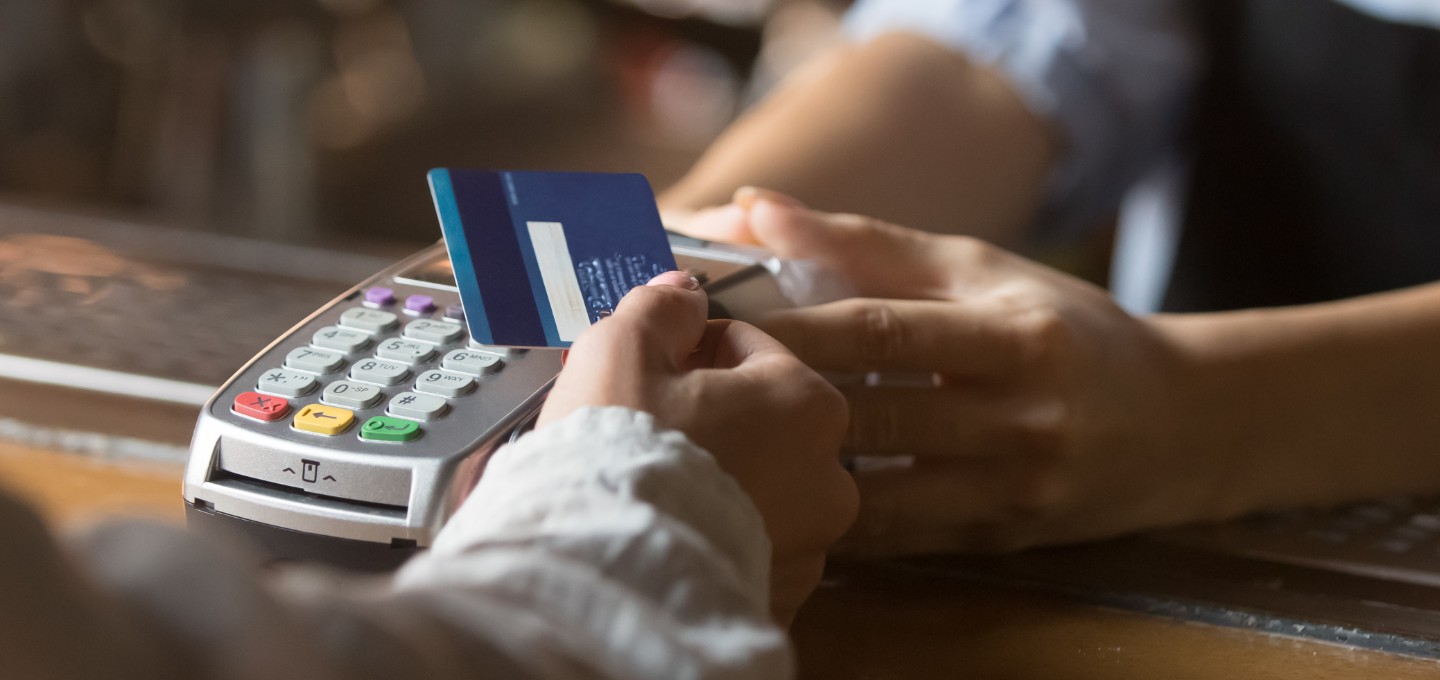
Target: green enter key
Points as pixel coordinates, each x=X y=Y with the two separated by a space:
x=386 y=429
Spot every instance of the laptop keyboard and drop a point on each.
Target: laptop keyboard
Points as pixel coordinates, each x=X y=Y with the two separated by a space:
x=1394 y=538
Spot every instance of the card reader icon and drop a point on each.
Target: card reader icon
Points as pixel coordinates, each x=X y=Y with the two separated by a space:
x=310 y=470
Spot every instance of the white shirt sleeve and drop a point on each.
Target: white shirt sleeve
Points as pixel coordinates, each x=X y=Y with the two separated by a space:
x=596 y=547
x=1116 y=76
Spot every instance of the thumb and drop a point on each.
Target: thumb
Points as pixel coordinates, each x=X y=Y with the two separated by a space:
x=666 y=316
x=877 y=258
x=725 y=223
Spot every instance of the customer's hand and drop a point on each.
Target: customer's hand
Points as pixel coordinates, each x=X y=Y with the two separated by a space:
x=770 y=421
x=1043 y=412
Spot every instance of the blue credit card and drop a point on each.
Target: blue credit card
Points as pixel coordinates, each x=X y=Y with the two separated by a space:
x=539 y=256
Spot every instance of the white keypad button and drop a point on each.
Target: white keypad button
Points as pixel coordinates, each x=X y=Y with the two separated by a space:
x=369 y=320
x=470 y=361
x=314 y=360
x=379 y=371
x=444 y=383
x=439 y=332
x=405 y=350
x=343 y=339
x=351 y=394
x=416 y=406
x=285 y=383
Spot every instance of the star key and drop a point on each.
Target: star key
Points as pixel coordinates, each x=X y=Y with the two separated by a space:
x=260 y=406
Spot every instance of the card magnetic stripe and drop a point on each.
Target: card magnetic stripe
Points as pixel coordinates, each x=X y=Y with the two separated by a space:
x=495 y=258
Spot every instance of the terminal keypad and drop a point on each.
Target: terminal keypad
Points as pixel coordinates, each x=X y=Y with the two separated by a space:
x=380 y=371
x=396 y=380
x=314 y=360
x=400 y=349
x=341 y=339
x=351 y=394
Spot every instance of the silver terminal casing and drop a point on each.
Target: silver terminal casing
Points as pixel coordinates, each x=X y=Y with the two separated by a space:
x=398 y=493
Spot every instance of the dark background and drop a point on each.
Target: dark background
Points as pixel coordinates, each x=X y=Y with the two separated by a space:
x=313 y=122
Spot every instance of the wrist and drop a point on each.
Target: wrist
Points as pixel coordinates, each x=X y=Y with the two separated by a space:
x=1211 y=408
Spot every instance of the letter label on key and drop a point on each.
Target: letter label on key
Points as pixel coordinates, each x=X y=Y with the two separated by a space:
x=351 y=395
x=380 y=371
x=342 y=339
x=314 y=360
x=438 y=332
x=405 y=350
x=444 y=383
x=474 y=363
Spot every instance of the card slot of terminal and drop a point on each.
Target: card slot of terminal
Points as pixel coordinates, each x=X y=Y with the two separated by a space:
x=281 y=492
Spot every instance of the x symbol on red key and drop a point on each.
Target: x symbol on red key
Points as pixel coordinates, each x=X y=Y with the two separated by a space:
x=261 y=406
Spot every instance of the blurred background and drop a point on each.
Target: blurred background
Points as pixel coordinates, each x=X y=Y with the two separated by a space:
x=181 y=181
x=313 y=121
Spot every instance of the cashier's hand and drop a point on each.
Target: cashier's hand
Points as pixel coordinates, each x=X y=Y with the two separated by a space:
x=1041 y=411
x=771 y=422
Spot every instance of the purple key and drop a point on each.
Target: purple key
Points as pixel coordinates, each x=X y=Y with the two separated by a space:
x=420 y=304
x=379 y=296
x=455 y=312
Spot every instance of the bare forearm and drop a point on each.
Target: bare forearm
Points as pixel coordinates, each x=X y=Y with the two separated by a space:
x=900 y=128
x=1316 y=404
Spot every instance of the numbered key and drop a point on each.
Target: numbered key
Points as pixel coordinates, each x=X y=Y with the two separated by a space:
x=384 y=429
x=444 y=384
x=427 y=330
x=343 y=339
x=405 y=350
x=287 y=383
x=379 y=371
x=470 y=361
x=369 y=320
x=314 y=360
x=417 y=406
x=326 y=420
x=351 y=394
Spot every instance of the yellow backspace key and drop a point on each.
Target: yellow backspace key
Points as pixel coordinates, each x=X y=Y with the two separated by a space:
x=323 y=419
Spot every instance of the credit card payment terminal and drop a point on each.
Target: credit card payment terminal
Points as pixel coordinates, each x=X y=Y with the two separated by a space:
x=354 y=436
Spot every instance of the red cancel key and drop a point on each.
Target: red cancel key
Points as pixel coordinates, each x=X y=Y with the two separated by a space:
x=261 y=406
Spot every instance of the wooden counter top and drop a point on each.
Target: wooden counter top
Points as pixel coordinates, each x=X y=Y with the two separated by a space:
x=870 y=622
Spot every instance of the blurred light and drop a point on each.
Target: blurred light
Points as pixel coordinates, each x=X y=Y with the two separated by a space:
x=350 y=8
x=797 y=32
x=386 y=84
x=130 y=32
x=693 y=94
x=549 y=38
x=534 y=46
x=670 y=9
x=378 y=83
x=731 y=12
x=334 y=122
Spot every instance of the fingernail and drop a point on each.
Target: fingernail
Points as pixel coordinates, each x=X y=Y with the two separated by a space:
x=676 y=279
x=747 y=196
